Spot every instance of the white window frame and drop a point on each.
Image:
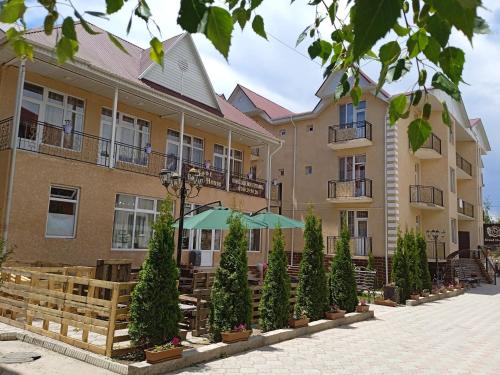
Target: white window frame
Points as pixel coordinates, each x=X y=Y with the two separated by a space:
x=76 y=201
x=354 y=162
x=196 y=245
x=224 y=158
x=135 y=210
x=251 y=240
x=190 y=146
x=356 y=112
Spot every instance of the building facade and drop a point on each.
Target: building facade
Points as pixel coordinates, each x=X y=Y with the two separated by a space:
x=346 y=161
x=80 y=179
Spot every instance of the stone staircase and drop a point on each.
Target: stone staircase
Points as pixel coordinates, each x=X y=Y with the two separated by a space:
x=475 y=266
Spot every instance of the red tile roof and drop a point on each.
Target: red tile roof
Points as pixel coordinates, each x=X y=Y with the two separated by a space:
x=272 y=109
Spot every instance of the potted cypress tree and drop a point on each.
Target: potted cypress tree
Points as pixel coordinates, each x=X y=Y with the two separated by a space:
x=414 y=269
x=424 y=265
x=399 y=273
x=154 y=308
x=231 y=307
x=312 y=292
x=342 y=280
x=274 y=307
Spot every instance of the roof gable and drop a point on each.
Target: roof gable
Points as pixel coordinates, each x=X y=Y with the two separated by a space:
x=183 y=71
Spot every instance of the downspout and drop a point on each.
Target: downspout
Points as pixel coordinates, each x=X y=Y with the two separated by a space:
x=13 y=143
x=293 y=182
x=385 y=205
x=268 y=185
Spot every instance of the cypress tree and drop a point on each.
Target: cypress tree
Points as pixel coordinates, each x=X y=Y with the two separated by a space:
x=400 y=269
x=342 y=280
x=414 y=269
x=154 y=308
x=231 y=299
x=424 y=264
x=274 y=305
x=371 y=261
x=312 y=291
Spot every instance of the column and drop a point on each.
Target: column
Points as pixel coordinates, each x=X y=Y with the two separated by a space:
x=228 y=160
x=113 y=130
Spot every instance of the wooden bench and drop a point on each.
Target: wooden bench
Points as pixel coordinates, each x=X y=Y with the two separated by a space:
x=464 y=274
x=365 y=279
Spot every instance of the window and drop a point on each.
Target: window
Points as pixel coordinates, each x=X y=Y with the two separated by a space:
x=254 y=240
x=282 y=132
x=454 y=230
x=352 y=168
x=134 y=217
x=41 y=105
x=281 y=172
x=310 y=128
x=309 y=169
x=220 y=155
x=350 y=114
x=63 y=207
x=200 y=239
x=357 y=225
x=192 y=149
x=452 y=180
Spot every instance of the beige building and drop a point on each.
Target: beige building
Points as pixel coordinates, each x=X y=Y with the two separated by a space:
x=347 y=161
x=82 y=144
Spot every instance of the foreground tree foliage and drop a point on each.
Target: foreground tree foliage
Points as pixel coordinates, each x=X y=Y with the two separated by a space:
x=423 y=262
x=416 y=33
x=342 y=280
x=274 y=308
x=413 y=258
x=400 y=269
x=312 y=293
x=231 y=299
x=154 y=310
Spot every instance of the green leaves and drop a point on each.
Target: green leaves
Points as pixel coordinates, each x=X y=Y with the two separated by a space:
x=460 y=13
x=372 y=20
x=12 y=10
x=439 y=29
x=320 y=48
x=417 y=43
x=445 y=115
x=418 y=132
x=219 y=29
x=452 y=61
x=113 y=6
x=440 y=81
x=258 y=26
x=191 y=14
x=67 y=45
x=156 y=51
x=389 y=52
x=117 y=43
x=397 y=107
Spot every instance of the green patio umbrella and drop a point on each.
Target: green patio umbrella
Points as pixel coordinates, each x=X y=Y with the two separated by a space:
x=216 y=218
x=272 y=220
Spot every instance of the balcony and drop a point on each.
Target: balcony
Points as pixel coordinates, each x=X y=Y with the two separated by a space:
x=351 y=135
x=360 y=246
x=47 y=139
x=426 y=197
x=351 y=191
x=465 y=210
x=464 y=169
x=431 y=149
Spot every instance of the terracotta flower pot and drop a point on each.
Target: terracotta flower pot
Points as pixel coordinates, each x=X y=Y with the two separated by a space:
x=297 y=323
x=385 y=302
x=362 y=308
x=163 y=355
x=234 y=336
x=330 y=315
x=415 y=296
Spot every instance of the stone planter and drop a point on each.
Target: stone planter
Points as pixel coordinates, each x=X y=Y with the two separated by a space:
x=415 y=296
x=163 y=355
x=330 y=315
x=385 y=302
x=362 y=308
x=425 y=294
x=235 y=336
x=297 y=323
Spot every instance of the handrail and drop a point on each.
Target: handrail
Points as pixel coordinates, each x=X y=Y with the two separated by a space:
x=357 y=187
x=464 y=164
x=426 y=194
x=363 y=130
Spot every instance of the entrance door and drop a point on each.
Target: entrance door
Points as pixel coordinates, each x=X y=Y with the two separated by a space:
x=464 y=244
x=205 y=245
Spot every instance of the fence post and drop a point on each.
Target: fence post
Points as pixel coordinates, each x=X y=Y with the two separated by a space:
x=112 y=319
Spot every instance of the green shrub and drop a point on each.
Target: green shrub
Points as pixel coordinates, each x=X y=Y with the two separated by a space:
x=414 y=268
x=371 y=262
x=274 y=308
x=312 y=292
x=231 y=299
x=424 y=264
x=342 y=280
x=400 y=269
x=154 y=310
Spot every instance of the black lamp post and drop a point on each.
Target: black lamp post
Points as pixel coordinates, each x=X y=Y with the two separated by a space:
x=186 y=185
x=434 y=235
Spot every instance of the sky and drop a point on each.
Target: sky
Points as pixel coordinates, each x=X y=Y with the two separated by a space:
x=286 y=75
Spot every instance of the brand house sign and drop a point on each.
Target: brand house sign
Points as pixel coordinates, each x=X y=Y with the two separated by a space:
x=491 y=234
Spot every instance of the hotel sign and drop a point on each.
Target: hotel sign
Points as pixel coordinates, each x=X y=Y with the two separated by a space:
x=491 y=234
x=247 y=186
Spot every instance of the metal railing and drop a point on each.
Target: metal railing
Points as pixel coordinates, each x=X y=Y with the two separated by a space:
x=5 y=126
x=360 y=246
x=465 y=208
x=433 y=143
x=426 y=194
x=361 y=187
x=464 y=165
x=431 y=250
x=350 y=131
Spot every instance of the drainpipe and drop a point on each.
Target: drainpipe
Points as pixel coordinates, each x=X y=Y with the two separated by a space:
x=385 y=205
x=268 y=185
x=228 y=160
x=293 y=182
x=113 y=130
x=13 y=143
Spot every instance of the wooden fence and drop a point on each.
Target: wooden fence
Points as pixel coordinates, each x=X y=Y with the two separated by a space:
x=257 y=295
x=69 y=305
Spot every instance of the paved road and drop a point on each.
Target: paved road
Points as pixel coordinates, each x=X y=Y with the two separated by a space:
x=460 y=335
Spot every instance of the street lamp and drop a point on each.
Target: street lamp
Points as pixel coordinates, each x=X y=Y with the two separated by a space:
x=434 y=235
x=186 y=185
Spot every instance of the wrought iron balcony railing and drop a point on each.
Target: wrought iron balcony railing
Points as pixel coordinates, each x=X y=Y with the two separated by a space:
x=464 y=165
x=465 y=208
x=426 y=194
x=350 y=131
x=360 y=246
x=433 y=143
x=358 y=188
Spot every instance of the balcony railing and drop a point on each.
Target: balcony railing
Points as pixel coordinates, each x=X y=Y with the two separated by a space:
x=432 y=143
x=464 y=165
x=350 y=131
x=47 y=139
x=357 y=188
x=360 y=246
x=426 y=194
x=431 y=250
x=465 y=208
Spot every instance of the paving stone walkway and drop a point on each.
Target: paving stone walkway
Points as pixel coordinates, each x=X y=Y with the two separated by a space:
x=460 y=335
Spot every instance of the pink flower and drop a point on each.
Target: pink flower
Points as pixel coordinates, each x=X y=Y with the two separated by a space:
x=176 y=341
